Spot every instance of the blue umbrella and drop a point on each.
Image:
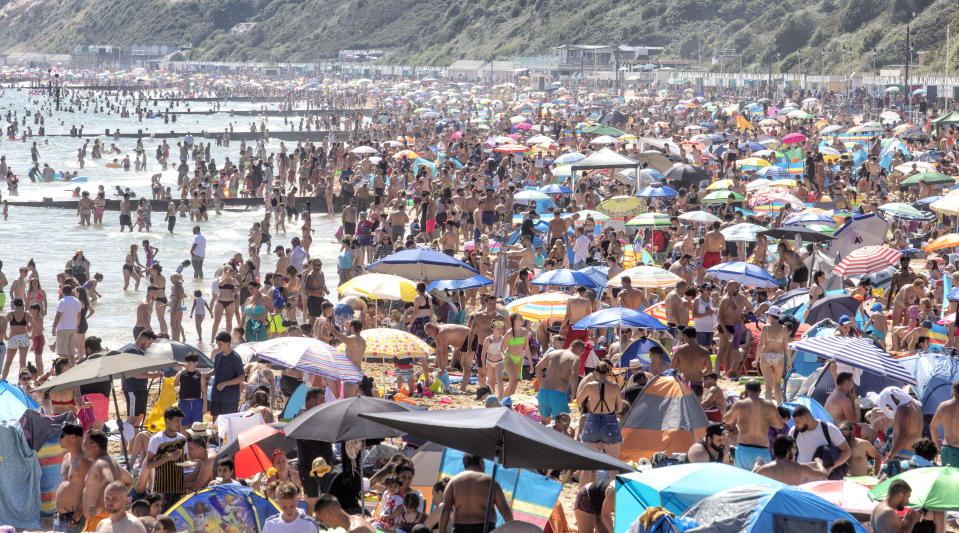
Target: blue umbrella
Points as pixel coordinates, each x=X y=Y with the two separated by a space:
x=563 y=277
x=460 y=284
x=651 y=174
x=707 y=125
x=716 y=137
x=554 y=188
x=662 y=191
x=809 y=218
x=424 y=264
x=619 y=317
x=923 y=202
x=953 y=295
x=753 y=146
x=745 y=273
x=861 y=353
x=772 y=171
x=569 y=158
x=599 y=274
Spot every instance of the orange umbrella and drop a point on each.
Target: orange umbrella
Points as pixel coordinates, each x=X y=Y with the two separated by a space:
x=407 y=154
x=946 y=241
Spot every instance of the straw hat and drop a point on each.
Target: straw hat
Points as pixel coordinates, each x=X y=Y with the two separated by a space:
x=199 y=429
x=320 y=468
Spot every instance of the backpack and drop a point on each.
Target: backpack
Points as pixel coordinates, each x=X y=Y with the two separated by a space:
x=829 y=454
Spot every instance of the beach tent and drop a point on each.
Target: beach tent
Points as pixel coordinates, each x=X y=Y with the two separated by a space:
x=232 y=507
x=14 y=401
x=763 y=509
x=951 y=117
x=677 y=488
x=862 y=230
x=666 y=417
x=935 y=374
x=427 y=462
x=820 y=383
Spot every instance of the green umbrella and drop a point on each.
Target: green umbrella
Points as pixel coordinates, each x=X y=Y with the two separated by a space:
x=821 y=228
x=649 y=219
x=929 y=178
x=721 y=196
x=600 y=129
x=935 y=488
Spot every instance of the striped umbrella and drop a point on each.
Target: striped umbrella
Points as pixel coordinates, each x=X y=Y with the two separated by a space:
x=867 y=260
x=773 y=172
x=770 y=195
x=901 y=210
x=858 y=352
x=542 y=306
x=649 y=219
x=597 y=216
x=308 y=355
x=646 y=277
x=658 y=312
x=386 y=343
x=743 y=232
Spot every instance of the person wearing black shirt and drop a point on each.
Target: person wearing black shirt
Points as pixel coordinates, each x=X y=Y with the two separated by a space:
x=308 y=450
x=135 y=388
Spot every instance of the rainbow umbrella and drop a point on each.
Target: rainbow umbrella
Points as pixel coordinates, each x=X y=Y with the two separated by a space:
x=308 y=355
x=406 y=154
x=658 y=312
x=645 y=276
x=379 y=287
x=385 y=343
x=650 y=219
x=542 y=306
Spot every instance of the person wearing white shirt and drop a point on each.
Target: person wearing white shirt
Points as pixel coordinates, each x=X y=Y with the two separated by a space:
x=65 y=323
x=297 y=255
x=810 y=434
x=197 y=253
x=580 y=249
x=290 y=519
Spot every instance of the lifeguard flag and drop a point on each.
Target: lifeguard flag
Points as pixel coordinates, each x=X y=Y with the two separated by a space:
x=742 y=123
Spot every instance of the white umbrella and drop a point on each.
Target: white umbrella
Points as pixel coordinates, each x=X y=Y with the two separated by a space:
x=363 y=150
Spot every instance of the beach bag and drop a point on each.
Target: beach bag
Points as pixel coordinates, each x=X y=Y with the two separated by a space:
x=829 y=454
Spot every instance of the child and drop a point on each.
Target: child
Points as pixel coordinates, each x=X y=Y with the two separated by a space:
x=189 y=384
x=493 y=358
x=408 y=515
x=91 y=287
x=390 y=502
x=878 y=320
x=184 y=264
x=141 y=223
x=199 y=310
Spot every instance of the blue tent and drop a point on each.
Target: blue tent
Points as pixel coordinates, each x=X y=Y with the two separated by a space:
x=639 y=349
x=818 y=411
x=14 y=401
x=232 y=507
x=764 y=509
x=677 y=488
x=935 y=374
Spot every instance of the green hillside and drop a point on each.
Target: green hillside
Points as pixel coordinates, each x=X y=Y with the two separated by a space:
x=855 y=34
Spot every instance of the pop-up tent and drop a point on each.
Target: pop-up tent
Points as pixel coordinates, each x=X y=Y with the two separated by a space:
x=666 y=417
x=232 y=507
x=13 y=401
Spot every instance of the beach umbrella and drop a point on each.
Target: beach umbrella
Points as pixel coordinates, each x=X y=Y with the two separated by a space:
x=340 y=420
x=720 y=185
x=618 y=317
x=379 y=287
x=770 y=195
x=935 y=488
x=177 y=351
x=949 y=240
x=511 y=148
x=599 y=274
x=867 y=260
x=530 y=196
x=752 y=162
x=742 y=232
x=773 y=171
x=685 y=173
x=935 y=374
x=256 y=447
x=569 y=158
x=790 y=232
x=308 y=355
x=596 y=215
x=363 y=150
x=657 y=191
x=929 y=178
x=679 y=487
x=649 y=219
x=793 y=299
x=562 y=277
x=406 y=154
x=803 y=219
x=424 y=264
x=759 y=508
x=745 y=273
x=387 y=343
x=646 y=277
x=14 y=401
x=947 y=205
x=554 y=188
x=622 y=206
x=832 y=307
x=858 y=352
x=542 y=306
x=460 y=284
x=700 y=217
x=721 y=196
x=604 y=140
x=794 y=138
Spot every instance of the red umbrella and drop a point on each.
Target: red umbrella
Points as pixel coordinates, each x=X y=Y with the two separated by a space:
x=250 y=460
x=867 y=260
x=793 y=138
x=511 y=148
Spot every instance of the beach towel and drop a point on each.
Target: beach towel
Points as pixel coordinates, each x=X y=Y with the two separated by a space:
x=51 y=458
x=19 y=508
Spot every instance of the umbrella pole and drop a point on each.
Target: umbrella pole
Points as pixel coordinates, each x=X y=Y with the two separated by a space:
x=123 y=442
x=489 y=498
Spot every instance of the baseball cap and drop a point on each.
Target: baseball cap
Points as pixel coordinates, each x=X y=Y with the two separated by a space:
x=716 y=428
x=492 y=400
x=926 y=324
x=876 y=307
x=844 y=319
x=774 y=311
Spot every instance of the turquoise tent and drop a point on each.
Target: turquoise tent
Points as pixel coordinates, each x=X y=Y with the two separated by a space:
x=14 y=401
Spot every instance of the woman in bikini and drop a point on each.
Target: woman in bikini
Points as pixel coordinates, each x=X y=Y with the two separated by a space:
x=772 y=354
x=518 y=351
x=422 y=312
x=36 y=295
x=493 y=357
x=306 y=232
x=177 y=295
x=225 y=300
x=600 y=401
x=158 y=280
x=131 y=268
x=19 y=335
x=86 y=311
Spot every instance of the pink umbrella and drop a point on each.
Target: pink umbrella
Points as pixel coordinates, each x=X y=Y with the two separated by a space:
x=457 y=134
x=844 y=494
x=793 y=138
x=524 y=126
x=772 y=111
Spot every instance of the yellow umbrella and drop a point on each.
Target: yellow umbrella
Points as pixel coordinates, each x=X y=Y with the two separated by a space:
x=720 y=185
x=783 y=183
x=622 y=206
x=752 y=162
x=379 y=287
x=387 y=343
x=542 y=306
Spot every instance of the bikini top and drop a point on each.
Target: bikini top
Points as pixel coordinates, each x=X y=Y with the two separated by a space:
x=15 y=322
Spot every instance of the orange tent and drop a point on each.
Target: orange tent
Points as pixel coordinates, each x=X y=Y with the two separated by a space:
x=666 y=417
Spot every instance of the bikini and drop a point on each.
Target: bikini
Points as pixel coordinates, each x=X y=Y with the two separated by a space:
x=516 y=341
x=227 y=287
x=495 y=347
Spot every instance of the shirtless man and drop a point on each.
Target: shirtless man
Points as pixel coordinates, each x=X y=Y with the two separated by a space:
x=906 y=427
x=557 y=228
x=85 y=208
x=772 y=348
x=197 y=451
x=752 y=416
x=577 y=308
x=444 y=336
x=449 y=241
x=792 y=263
x=784 y=467
x=145 y=312
x=714 y=399
x=677 y=308
x=73 y=470
x=559 y=372
x=398 y=220
x=687 y=246
x=629 y=297
x=692 y=361
x=328 y=512
x=712 y=449
x=860 y=451
x=731 y=309
x=481 y=326
x=315 y=286
x=900 y=279
x=103 y=471
x=355 y=349
x=359 y=306
x=18 y=288
x=115 y=500
x=682 y=269
x=711 y=253
x=891 y=514
x=467 y=494
x=841 y=404
x=282 y=261
x=947 y=415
